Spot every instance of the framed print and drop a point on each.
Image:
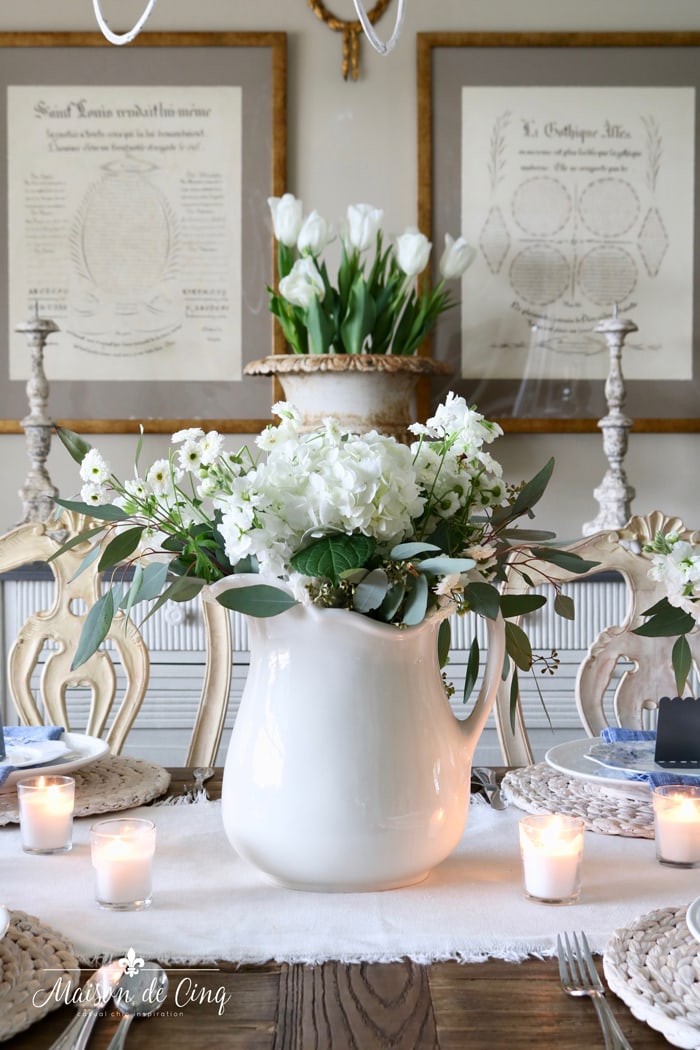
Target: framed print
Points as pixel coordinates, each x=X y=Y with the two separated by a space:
x=134 y=201
x=568 y=162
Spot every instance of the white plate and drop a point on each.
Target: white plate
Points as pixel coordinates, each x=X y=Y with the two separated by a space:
x=81 y=750
x=692 y=918
x=634 y=756
x=572 y=757
x=20 y=756
x=4 y=921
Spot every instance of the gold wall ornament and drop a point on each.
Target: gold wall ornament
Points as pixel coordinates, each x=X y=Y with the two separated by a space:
x=351 y=31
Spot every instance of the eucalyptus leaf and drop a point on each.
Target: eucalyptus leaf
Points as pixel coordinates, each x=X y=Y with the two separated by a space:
x=444 y=565
x=87 y=561
x=564 y=606
x=77 y=446
x=483 y=599
x=182 y=589
x=532 y=492
x=416 y=601
x=514 y=698
x=407 y=551
x=259 y=599
x=564 y=559
x=392 y=603
x=75 y=541
x=118 y=549
x=371 y=592
x=518 y=646
x=95 y=629
x=472 y=672
x=154 y=576
x=108 y=512
x=131 y=595
x=520 y=604
x=444 y=642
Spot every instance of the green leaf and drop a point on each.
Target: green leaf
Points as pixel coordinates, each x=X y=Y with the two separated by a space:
x=518 y=646
x=74 y=541
x=260 y=599
x=359 y=318
x=371 y=592
x=320 y=327
x=392 y=603
x=444 y=642
x=182 y=589
x=538 y=535
x=77 y=446
x=95 y=629
x=472 y=671
x=564 y=606
x=108 y=512
x=564 y=559
x=532 y=492
x=483 y=599
x=123 y=544
x=444 y=565
x=682 y=661
x=87 y=561
x=666 y=623
x=131 y=595
x=520 y=604
x=332 y=555
x=514 y=698
x=406 y=551
x=153 y=580
x=416 y=601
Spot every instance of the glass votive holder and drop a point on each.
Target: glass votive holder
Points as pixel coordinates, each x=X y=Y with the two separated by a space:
x=551 y=848
x=46 y=813
x=122 y=852
x=677 y=824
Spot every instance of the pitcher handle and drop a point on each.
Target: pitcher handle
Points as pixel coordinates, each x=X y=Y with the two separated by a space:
x=474 y=723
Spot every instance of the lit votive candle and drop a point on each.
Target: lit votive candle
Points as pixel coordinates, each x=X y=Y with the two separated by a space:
x=551 y=847
x=677 y=824
x=46 y=813
x=122 y=856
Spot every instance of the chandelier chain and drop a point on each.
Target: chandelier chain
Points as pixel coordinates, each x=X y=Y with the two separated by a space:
x=352 y=30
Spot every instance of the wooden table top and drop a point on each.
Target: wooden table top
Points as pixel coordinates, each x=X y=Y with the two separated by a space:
x=371 y=1006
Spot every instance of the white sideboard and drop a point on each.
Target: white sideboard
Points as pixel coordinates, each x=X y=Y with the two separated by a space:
x=175 y=638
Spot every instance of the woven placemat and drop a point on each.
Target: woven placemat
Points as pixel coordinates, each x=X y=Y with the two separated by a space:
x=541 y=789
x=107 y=785
x=654 y=967
x=33 y=958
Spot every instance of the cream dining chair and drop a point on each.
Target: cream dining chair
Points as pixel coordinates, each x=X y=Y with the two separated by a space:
x=47 y=640
x=647 y=673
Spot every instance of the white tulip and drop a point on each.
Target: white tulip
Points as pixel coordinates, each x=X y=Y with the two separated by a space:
x=313 y=236
x=287 y=213
x=412 y=252
x=302 y=284
x=456 y=258
x=363 y=225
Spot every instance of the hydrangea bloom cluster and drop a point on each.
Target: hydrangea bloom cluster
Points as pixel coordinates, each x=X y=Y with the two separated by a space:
x=301 y=486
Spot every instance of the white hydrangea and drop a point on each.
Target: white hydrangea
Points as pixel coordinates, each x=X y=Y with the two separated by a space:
x=679 y=571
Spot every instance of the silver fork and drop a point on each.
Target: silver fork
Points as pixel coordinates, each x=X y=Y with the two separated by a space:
x=580 y=977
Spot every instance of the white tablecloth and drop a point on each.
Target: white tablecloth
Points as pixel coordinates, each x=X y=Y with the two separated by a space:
x=208 y=904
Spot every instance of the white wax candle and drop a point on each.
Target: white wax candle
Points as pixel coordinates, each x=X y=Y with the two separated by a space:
x=123 y=867
x=551 y=857
x=678 y=829
x=46 y=815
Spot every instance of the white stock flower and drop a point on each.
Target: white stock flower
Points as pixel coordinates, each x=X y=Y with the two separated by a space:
x=302 y=284
x=412 y=252
x=313 y=235
x=93 y=468
x=363 y=222
x=287 y=214
x=189 y=457
x=456 y=258
x=160 y=479
x=189 y=434
x=211 y=447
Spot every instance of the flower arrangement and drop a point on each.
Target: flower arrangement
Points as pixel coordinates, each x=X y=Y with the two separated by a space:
x=359 y=522
x=676 y=564
x=374 y=306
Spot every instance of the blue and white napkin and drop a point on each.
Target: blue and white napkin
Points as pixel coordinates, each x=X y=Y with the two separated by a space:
x=16 y=736
x=616 y=734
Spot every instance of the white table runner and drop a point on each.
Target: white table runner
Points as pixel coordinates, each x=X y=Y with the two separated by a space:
x=208 y=904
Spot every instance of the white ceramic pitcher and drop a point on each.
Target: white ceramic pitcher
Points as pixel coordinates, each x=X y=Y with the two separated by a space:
x=347 y=769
